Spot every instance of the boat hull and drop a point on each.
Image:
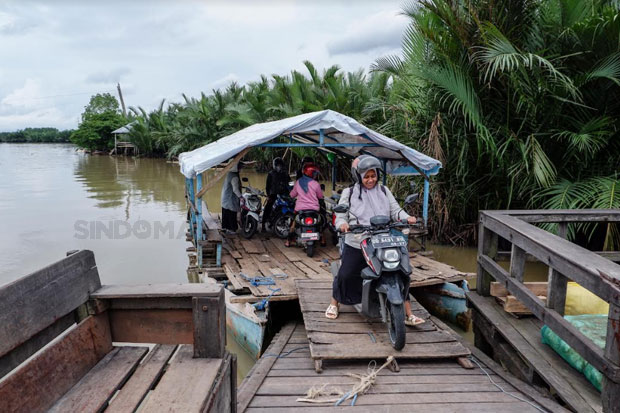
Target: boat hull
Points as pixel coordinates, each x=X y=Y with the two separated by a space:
x=446 y=301
x=248 y=331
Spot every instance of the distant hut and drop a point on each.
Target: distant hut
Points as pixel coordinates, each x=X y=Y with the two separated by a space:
x=121 y=143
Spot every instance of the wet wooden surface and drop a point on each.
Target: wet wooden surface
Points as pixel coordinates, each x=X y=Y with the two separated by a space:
x=266 y=256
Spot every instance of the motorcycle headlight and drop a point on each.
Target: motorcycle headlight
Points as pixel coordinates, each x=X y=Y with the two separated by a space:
x=390 y=265
x=391 y=255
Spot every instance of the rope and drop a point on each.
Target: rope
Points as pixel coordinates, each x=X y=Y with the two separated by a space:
x=279 y=356
x=472 y=358
x=260 y=280
x=365 y=383
x=260 y=306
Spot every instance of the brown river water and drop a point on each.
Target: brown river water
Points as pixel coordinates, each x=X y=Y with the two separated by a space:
x=129 y=211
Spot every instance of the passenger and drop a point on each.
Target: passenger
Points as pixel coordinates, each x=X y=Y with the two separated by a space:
x=305 y=160
x=365 y=199
x=277 y=184
x=309 y=196
x=231 y=192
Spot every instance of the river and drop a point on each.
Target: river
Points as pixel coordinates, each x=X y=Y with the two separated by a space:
x=129 y=211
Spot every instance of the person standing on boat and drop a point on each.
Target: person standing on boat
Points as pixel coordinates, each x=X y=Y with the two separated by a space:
x=277 y=184
x=231 y=192
x=366 y=198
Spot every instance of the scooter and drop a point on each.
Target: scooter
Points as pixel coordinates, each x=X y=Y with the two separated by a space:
x=308 y=225
x=251 y=207
x=331 y=203
x=386 y=279
x=282 y=216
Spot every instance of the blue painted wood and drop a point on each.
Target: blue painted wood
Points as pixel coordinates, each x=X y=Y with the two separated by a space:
x=218 y=254
x=247 y=333
x=190 y=195
x=199 y=220
x=425 y=205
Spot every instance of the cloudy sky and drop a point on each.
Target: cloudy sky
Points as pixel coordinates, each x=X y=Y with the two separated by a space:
x=55 y=54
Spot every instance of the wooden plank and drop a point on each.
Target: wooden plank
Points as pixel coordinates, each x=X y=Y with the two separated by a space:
x=152 y=326
x=16 y=356
x=408 y=406
x=146 y=375
x=565 y=215
x=346 y=350
x=253 y=299
x=487 y=245
x=31 y=303
x=413 y=337
x=173 y=394
x=252 y=247
x=611 y=390
x=222 y=396
x=517 y=263
x=524 y=346
x=557 y=282
x=158 y=290
x=537 y=287
x=395 y=399
x=437 y=379
x=63 y=363
x=96 y=388
x=573 y=337
x=209 y=325
x=514 y=306
x=252 y=382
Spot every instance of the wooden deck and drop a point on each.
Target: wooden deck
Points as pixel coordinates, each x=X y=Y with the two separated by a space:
x=516 y=343
x=352 y=336
x=286 y=372
x=266 y=256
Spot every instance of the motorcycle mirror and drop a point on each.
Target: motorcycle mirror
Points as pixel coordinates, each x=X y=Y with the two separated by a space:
x=245 y=179
x=411 y=199
x=341 y=209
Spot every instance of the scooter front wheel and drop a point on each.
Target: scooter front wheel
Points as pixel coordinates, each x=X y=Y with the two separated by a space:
x=396 y=325
x=249 y=227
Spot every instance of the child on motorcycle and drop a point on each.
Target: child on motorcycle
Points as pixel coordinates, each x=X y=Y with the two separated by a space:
x=309 y=196
x=365 y=199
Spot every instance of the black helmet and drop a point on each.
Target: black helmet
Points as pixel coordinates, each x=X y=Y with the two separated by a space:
x=277 y=162
x=366 y=163
x=354 y=168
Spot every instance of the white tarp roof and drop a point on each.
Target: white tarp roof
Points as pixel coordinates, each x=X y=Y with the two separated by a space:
x=338 y=128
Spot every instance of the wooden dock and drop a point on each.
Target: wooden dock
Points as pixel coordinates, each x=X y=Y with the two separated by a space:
x=352 y=336
x=266 y=256
x=286 y=373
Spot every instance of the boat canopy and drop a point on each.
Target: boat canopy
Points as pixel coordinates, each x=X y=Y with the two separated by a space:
x=325 y=130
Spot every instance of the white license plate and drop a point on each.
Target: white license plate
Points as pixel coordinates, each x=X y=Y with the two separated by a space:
x=310 y=236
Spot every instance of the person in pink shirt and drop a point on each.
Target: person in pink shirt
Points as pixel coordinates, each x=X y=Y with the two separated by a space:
x=309 y=195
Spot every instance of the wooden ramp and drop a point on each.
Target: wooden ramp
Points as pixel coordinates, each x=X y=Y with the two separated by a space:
x=286 y=372
x=351 y=336
x=516 y=343
x=266 y=256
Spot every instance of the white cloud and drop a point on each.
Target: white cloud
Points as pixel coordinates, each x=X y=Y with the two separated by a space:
x=225 y=81
x=108 y=76
x=27 y=96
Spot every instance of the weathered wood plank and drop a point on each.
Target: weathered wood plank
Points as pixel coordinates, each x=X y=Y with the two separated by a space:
x=347 y=350
x=537 y=287
x=152 y=326
x=437 y=379
x=97 y=387
x=487 y=245
x=250 y=385
x=410 y=406
x=31 y=303
x=173 y=394
x=63 y=363
x=413 y=337
x=158 y=291
x=16 y=356
x=222 y=396
x=144 y=378
x=611 y=390
x=209 y=325
x=565 y=215
x=556 y=294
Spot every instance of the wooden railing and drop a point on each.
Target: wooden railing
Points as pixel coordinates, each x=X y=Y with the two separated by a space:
x=566 y=261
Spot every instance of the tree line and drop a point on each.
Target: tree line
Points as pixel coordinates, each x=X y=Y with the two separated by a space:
x=36 y=135
x=519 y=99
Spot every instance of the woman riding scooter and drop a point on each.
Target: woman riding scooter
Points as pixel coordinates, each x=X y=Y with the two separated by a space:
x=365 y=199
x=309 y=196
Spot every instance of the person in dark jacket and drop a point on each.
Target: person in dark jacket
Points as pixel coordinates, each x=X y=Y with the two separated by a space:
x=231 y=192
x=277 y=184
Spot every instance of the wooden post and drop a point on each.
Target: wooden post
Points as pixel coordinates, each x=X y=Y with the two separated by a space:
x=611 y=391
x=487 y=245
x=190 y=199
x=517 y=263
x=556 y=285
x=209 y=315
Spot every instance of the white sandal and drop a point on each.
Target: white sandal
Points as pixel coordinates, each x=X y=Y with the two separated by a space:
x=413 y=320
x=332 y=312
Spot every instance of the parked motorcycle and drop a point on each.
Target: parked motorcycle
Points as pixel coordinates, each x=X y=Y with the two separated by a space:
x=282 y=216
x=331 y=203
x=308 y=227
x=386 y=279
x=251 y=206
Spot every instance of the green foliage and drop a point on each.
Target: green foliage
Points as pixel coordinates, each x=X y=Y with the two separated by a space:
x=100 y=117
x=36 y=135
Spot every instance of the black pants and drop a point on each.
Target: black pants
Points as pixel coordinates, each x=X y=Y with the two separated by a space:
x=347 y=286
x=229 y=219
x=268 y=207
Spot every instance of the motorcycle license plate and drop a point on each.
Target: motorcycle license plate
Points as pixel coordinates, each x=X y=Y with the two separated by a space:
x=384 y=241
x=310 y=236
